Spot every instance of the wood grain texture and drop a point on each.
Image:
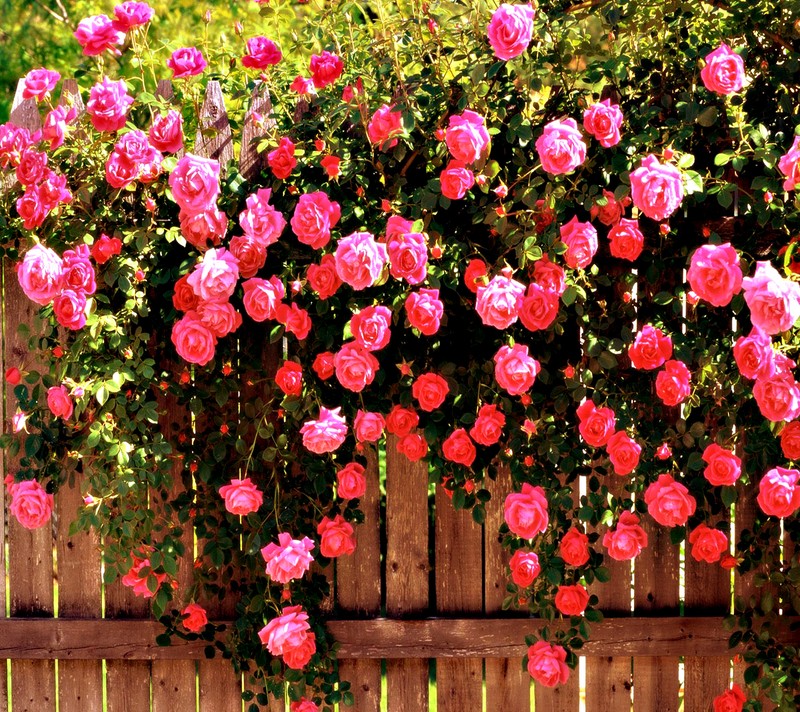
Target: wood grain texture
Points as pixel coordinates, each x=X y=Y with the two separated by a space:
x=6 y=408
x=459 y=589
x=250 y=160
x=508 y=684
x=407 y=568
x=214 y=138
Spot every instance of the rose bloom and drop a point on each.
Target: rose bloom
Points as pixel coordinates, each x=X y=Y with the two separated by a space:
x=650 y=349
x=55 y=125
x=195 y=618
x=459 y=448
x=424 y=310
x=40 y=274
x=571 y=600
x=539 y=308
x=326 y=433
x=656 y=188
x=669 y=502
x=574 y=547
x=220 y=317
x=371 y=327
x=581 y=241
x=789 y=165
x=401 y=421
x=603 y=121
x=31 y=504
x=289 y=559
x=262 y=297
x=295 y=319
x=723 y=72
x=475 y=275
x=456 y=180
x=673 y=384
x=183 y=298
x=489 y=424
x=723 y=467
x=561 y=147
x=525 y=512
x=108 y=105
x=261 y=53
x=166 y=132
x=138 y=583
x=32 y=167
x=360 y=260
x=624 y=452
x=325 y=68
x=612 y=211
x=777 y=397
x=260 y=220
x=186 y=62
x=498 y=302
x=790 y=440
x=731 y=700
x=596 y=425
x=314 y=216
x=549 y=275
x=204 y=228
x=408 y=256
x=323 y=277
x=282 y=160
x=547 y=664
x=708 y=544
x=350 y=481
x=215 y=278
x=69 y=308
x=430 y=391
x=626 y=240
x=98 y=33
x=104 y=248
x=323 y=365
x=384 y=126
x=467 y=138
x=510 y=30
x=129 y=15
x=303 y=705
x=715 y=274
x=368 y=427
x=195 y=183
x=241 y=497
x=287 y=631
x=59 y=402
x=774 y=302
x=754 y=354
x=289 y=378
x=38 y=83
x=330 y=164
x=778 y=493
x=627 y=540
x=514 y=369
x=336 y=537
x=193 y=340
x=413 y=446
x=250 y=254
x=524 y=568
x=355 y=367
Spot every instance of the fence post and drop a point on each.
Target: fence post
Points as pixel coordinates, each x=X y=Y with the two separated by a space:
x=214 y=139
x=250 y=160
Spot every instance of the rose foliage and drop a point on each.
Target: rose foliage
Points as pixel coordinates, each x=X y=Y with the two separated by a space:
x=556 y=240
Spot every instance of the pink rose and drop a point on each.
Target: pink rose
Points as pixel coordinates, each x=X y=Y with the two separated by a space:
x=195 y=183
x=603 y=121
x=314 y=216
x=368 y=427
x=596 y=425
x=510 y=30
x=723 y=467
x=295 y=320
x=581 y=241
x=715 y=274
x=489 y=424
x=59 y=402
x=371 y=327
x=355 y=367
x=561 y=147
x=499 y=302
x=166 y=132
x=774 y=302
x=336 y=537
x=456 y=180
x=525 y=512
x=524 y=568
x=650 y=348
x=350 y=481
x=108 y=105
x=708 y=544
x=325 y=68
x=458 y=448
x=303 y=705
x=514 y=369
x=262 y=297
x=183 y=298
x=289 y=559
x=261 y=53
x=475 y=275
x=205 y=228
x=288 y=631
x=401 y=421
x=134 y=580
x=669 y=502
x=754 y=355
x=539 y=308
x=195 y=618
x=326 y=433
x=571 y=600
x=408 y=256
x=430 y=391
x=32 y=167
x=13 y=141
x=789 y=165
x=323 y=365
x=129 y=15
x=547 y=664
x=384 y=126
x=330 y=164
x=105 y=247
x=78 y=271
x=323 y=277
x=260 y=220
x=186 y=62
x=220 y=317
x=549 y=275
x=790 y=440
x=193 y=340
x=360 y=260
x=626 y=240
x=40 y=274
x=282 y=160
x=574 y=547
x=731 y=700
x=413 y=446
x=673 y=384
x=627 y=540
x=723 y=72
x=656 y=188
x=611 y=210
x=55 y=124
x=467 y=138
x=624 y=452
x=38 y=83
x=241 y=497
x=289 y=378
x=777 y=396
x=214 y=279
x=31 y=208
x=98 y=33
x=70 y=309
x=424 y=310
x=778 y=493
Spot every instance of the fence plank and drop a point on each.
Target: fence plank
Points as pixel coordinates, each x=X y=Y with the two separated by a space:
x=358 y=589
x=7 y=405
x=407 y=568
x=508 y=684
x=256 y=124
x=459 y=588
x=214 y=138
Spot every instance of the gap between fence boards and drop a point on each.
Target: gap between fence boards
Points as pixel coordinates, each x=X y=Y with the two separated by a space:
x=82 y=639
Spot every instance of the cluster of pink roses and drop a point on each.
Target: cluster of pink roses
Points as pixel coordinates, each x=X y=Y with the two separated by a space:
x=99 y=33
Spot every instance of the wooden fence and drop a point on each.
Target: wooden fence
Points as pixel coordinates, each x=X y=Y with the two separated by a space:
x=417 y=609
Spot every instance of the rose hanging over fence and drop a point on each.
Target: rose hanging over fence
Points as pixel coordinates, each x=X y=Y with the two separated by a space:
x=435 y=248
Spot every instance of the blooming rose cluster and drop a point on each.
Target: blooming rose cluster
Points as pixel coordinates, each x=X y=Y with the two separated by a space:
x=290 y=637
x=138 y=576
